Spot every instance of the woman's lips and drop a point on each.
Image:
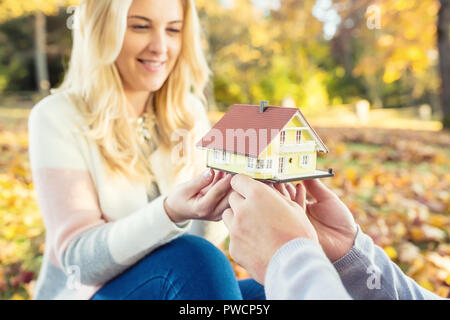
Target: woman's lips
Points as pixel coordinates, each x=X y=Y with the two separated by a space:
x=152 y=66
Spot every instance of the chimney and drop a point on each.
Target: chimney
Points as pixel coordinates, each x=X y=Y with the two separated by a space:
x=263 y=106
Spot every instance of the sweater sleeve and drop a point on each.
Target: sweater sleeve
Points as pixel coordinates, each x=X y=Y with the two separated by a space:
x=368 y=273
x=76 y=233
x=300 y=270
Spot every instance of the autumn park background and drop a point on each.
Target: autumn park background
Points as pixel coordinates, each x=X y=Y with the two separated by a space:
x=372 y=76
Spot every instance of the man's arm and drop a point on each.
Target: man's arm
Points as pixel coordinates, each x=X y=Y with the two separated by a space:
x=367 y=273
x=300 y=270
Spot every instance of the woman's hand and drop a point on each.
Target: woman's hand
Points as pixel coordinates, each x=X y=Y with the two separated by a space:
x=286 y=189
x=205 y=197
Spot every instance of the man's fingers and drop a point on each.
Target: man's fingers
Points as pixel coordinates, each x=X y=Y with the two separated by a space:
x=227 y=218
x=242 y=184
x=318 y=190
x=235 y=200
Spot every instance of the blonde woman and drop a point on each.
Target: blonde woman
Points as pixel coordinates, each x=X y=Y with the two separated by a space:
x=116 y=190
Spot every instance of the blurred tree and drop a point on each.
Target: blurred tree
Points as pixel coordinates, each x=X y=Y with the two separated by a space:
x=10 y=9
x=444 y=54
x=390 y=44
x=259 y=54
x=42 y=77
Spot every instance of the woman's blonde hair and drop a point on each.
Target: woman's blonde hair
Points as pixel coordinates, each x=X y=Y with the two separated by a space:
x=94 y=83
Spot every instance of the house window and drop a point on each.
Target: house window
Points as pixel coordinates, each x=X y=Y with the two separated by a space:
x=281 y=165
x=220 y=156
x=249 y=162
x=298 y=136
x=305 y=160
x=282 y=137
x=269 y=164
x=216 y=155
x=259 y=164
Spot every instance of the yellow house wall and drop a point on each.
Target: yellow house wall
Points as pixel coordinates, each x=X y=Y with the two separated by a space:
x=291 y=134
x=236 y=164
x=294 y=167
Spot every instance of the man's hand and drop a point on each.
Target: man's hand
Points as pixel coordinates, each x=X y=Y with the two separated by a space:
x=260 y=221
x=330 y=217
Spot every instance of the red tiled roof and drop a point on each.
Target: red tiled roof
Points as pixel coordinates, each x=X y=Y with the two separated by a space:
x=250 y=131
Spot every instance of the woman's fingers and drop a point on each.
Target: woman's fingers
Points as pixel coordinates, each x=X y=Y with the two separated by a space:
x=194 y=186
x=217 y=176
x=282 y=189
x=216 y=193
x=291 y=189
x=318 y=190
x=300 y=196
x=222 y=206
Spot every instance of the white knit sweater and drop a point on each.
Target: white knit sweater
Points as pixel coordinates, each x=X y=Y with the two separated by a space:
x=97 y=226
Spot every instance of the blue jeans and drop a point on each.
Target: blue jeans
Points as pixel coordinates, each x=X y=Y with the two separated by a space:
x=187 y=268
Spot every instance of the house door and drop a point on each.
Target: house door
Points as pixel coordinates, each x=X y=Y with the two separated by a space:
x=281 y=165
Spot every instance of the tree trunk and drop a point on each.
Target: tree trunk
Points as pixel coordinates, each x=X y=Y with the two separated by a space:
x=40 y=40
x=444 y=59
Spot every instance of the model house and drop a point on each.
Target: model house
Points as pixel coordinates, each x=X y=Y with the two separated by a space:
x=269 y=143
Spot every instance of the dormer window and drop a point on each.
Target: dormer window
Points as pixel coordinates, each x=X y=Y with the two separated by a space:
x=298 y=136
x=282 y=137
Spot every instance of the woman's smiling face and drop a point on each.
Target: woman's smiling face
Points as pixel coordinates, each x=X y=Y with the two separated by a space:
x=151 y=45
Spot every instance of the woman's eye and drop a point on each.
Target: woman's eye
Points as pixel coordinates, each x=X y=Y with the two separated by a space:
x=174 y=30
x=140 y=27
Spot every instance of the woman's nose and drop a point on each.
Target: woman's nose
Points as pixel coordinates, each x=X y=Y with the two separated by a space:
x=158 y=43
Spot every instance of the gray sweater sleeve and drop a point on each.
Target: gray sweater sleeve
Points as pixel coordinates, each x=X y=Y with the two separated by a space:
x=105 y=251
x=368 y=273
x=301 y=270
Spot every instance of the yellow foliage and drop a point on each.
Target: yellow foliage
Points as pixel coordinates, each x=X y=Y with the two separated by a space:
x=340 y=149
x=351 y=174
x=417 y=234
x=386 y=40
x=17 y=296
x=391 y=75
x=438 y=221
x=391 y=252
x=391 y=54
x=443 y=291
x=12 y=8
x=426 y=284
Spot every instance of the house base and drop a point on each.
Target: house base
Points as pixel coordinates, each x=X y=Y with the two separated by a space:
x=317 y=174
